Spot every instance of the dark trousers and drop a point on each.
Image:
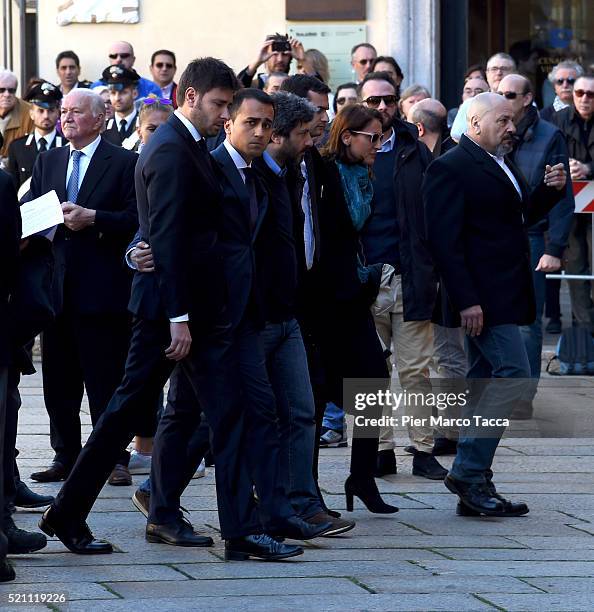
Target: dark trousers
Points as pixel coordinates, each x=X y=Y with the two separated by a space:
x=3 y=399
x=81 y=352
x=10 y=473
x=552 y=300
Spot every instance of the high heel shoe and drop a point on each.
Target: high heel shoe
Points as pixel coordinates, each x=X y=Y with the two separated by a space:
x=367 y=492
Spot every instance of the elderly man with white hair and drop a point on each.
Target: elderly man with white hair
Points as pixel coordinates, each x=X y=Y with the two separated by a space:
x=87 y=344
x=477 y=211
x=15 y=120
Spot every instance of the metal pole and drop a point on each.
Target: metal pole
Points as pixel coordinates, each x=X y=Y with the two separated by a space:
x=590 y=276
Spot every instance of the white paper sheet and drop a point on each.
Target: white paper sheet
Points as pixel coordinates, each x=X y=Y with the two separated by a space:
x=41 y=214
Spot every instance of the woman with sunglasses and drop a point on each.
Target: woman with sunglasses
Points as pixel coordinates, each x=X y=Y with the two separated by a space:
x=349 y=344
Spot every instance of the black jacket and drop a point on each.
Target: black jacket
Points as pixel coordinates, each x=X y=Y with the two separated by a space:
x=90 y=277
x=179 y=210
x=236 y=244
x=276 y=259
x=568 y=122
x=112 y=131
x=419 y=280
x=476 y=227
x=22 y=154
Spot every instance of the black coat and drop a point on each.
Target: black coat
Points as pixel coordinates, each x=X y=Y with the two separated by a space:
x=236 y=245
x=567 y=121
x=10 y=235
x=179 y=210
x=476 y=227
x=90 y=276
x=276 y=259
x=419 y=281
x=22 y=154
x=112 y=131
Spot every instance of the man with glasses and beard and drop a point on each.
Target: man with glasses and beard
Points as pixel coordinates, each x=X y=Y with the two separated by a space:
x=477 y=210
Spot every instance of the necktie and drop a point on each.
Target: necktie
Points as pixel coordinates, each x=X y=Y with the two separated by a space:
x=42 y=143
x=250 y=184
x=122 y=129
x=202 y=146
x=72 y=186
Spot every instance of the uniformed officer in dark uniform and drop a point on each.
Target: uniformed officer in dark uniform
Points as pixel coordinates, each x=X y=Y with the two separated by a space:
x=122 y=83
x=45 y=111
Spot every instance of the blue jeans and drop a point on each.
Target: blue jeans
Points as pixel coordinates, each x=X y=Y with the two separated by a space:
x=532 y=334
x=498 y=353
x=286 y=362
x=333 y=417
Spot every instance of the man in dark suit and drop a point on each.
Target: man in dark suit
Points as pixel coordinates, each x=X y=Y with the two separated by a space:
x=182 y=305
x=477 y=210
x=45 y=111
x=123 y=90
x=86 y=346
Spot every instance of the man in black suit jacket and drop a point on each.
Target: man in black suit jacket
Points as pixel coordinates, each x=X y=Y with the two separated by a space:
x=477 y=210
x=182 y=305
x=88 y=342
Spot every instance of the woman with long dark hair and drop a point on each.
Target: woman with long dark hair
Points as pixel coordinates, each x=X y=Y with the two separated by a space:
x=350 y=346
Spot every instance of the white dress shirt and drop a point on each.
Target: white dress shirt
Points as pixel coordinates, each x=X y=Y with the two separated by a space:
x=129 y=119
x=166 y=91
x=501 y=162
x=239 y=162
x=308 y=232
x=49 y=138
x=84 y=161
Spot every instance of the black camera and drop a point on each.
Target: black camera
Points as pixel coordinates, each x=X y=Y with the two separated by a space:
x=281 y=46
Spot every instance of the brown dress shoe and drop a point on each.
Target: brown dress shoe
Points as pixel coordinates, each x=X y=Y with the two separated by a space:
x=120 y=476
x=338 y=525
x=54 y=473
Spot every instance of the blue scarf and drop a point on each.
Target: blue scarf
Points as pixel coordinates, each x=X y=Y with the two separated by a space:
x=358 y=191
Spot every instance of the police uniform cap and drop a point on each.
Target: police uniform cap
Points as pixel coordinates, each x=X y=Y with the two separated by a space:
x=44 y=95
x=117 y=77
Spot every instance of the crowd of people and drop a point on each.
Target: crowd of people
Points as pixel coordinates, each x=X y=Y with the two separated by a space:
x=253 y=240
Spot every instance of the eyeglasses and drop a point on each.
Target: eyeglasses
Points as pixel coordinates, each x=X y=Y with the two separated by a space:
x=561 y=81
x=375 y=101
x=120 y=55
x=364 y=62
x=580 y=93
x=499 y=69
x=340 y=101
x=373 y=137
x=474 y=92
x=149 y=101
x=10 y=90
x=161 y=65
x=510 y=95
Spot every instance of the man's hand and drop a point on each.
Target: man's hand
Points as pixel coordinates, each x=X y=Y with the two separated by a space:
x=297 y=50
x=578 y=170
x=264 y=55
x=76 y=217
x=472 y=320
x=142 y=257
x=555 y=176
x=181 y=341
x=548 y=263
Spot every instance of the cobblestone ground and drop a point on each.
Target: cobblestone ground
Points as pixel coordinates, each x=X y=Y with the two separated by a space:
x=423 y=558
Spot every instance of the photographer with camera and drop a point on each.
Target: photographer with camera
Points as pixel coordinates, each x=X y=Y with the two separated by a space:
x=276 y=53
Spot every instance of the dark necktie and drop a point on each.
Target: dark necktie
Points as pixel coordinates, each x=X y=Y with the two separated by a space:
x=250 y=184
x=42 y=143
x=122 y=129
x=202 y=146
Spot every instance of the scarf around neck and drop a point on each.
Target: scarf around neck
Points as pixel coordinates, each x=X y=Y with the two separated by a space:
x=358 y=191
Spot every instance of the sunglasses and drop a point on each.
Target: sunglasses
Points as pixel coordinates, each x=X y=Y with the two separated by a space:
x=580 y=92
x=373 y=137
x=161 y=65
x=10 y=90
x=561 y=81
x=342 y=100
x=375 y=101
x=364 y=62
x=510 y=95
x=149 y=101
x=120 y=55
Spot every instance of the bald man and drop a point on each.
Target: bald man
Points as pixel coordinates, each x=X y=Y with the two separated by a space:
x=429 y=115
x=122 y=52
x=477 y=211
x=538 y=144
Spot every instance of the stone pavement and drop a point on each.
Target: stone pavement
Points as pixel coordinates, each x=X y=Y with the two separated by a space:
x=423 y=558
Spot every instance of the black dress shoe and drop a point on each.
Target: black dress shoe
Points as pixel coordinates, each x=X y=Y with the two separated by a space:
x=427 y=466
x=25 y=498
x=6 y=572
x=260 y=546
x=77 y=538
x=177 y=533
x=386 y=463
x=56 y=472
x=21 y=542
x=444 y=446
x=476 y=496
x=296 y=528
